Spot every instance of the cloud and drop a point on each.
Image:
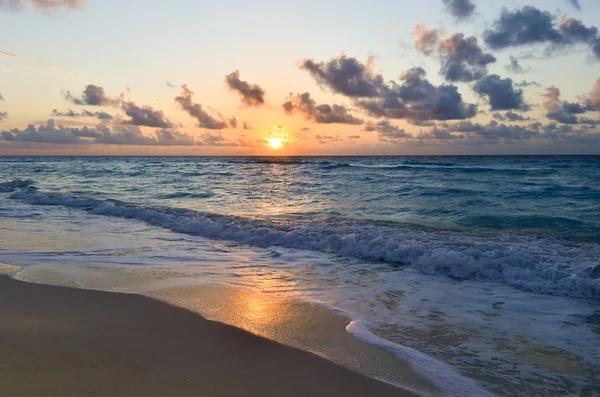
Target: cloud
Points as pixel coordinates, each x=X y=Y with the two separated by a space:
x=1 y=97
x=575 y=3
x=233 y=123
x=521 y=27
x=42 y=5
x=8 y=54
x=515 y=66
x=529 y=26
x=145 y=116
x=576 y=31
x=83 y=113
x=525 y=83
x=320 y=114
x=461 y=57
x=415 y=98
x=354 y=137
x=439 y=134
x=510 y=116
x=195 y=110
x=216 y=139
x=101 y=134
x=592 y=100
x=460 y=9
x=3 y=115
x=251 y=94
x=387 y=131
x=345 y=75
x=325 y=139
x=501 y=93
x=92 y=95
x=49 y=133
x=493 y=131
x=561 y=111
x=246 y=126
x=172 y=85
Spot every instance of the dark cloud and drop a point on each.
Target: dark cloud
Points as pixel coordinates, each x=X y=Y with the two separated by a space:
x=83 y=113
x=527 y=84
x=387 y=131
x=320 y=114
x=415 y=98
x=530 y=25
x=565 y=112
x=3 y=115
x=510 y=116
x=49 y=133
x=354 y=137
x=216 y=139
x=496 y=131
x=246 y=126
x=460 y=9
x=324 y=139
x=439 y=134
x=575 y=3
x=501 y=93
x=172 y=85
x=42 y=5
x=515 y=66
x=251 y=94
x=576 y=31
x=461 y=57
x=345 y=75
x=493 y=131
x=1 y=97
x=101 y=134
x=195 y=110
x=521 y=27
x=145 y=116
x=92 y=95
x=233 y=123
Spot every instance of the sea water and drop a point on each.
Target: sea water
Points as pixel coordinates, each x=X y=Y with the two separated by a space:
x=484 y=272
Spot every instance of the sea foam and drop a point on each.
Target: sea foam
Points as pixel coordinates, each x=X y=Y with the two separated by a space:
x=535 y=264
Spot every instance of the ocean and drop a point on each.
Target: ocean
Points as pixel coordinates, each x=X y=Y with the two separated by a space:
x=482 y=272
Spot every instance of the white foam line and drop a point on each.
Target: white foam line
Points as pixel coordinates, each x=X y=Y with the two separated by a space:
x=441 y=375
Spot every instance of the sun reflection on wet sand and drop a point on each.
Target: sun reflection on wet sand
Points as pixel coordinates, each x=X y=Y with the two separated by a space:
x=294 y=323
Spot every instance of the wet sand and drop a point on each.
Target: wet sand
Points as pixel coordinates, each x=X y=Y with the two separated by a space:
x=58 y=341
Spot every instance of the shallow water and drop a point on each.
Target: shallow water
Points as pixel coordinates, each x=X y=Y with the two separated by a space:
x=487 y=264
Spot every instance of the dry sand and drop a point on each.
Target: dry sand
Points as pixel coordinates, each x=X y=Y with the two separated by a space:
x=57 y=341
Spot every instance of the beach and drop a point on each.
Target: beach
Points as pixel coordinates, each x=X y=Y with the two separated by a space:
x=59 y=341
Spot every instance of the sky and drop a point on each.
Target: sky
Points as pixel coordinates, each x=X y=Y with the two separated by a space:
x=232 y=77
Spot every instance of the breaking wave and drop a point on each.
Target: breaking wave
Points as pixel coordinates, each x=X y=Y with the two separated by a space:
x=531 y=263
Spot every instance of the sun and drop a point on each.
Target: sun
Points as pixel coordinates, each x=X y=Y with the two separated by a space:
x=275 y=143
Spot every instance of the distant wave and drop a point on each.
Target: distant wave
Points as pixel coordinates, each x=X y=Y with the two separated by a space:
x=7 y=187
x=534 y=264
x=444 y=168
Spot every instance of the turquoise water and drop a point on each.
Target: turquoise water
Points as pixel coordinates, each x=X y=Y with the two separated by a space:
x=486 y=244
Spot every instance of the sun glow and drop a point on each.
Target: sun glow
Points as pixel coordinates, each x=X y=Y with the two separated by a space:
x=275 y=143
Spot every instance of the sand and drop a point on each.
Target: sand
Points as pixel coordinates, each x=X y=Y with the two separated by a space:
x=58 y=341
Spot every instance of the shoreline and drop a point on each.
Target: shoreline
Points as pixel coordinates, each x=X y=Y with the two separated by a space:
x=65 y=341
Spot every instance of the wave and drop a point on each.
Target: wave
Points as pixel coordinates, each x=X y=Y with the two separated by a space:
x=533 y=264
x=444 y=168
x=188 y=195
x=440 y=374
x=7 y=187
